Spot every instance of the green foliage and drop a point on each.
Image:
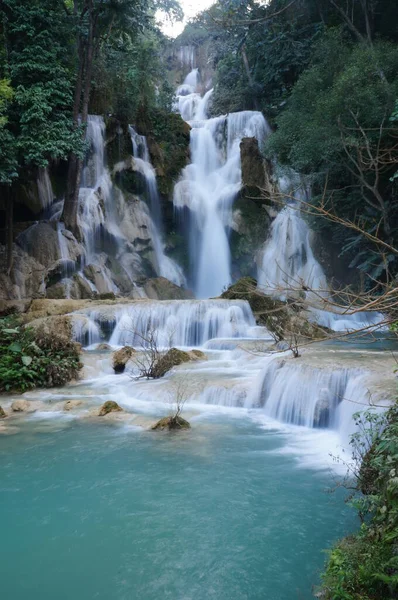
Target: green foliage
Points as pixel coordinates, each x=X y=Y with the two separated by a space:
x=32 y=358
x=365 y=566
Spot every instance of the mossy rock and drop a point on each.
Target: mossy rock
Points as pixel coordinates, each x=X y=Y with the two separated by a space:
x=2 y=413
x=121 y=357
x=172 y=358
x=108 y=407
x=172 y=424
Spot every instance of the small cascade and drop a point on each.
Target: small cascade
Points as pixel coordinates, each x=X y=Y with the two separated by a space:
x=306 y=396
x=166 y=266
x=176 y=323
x=208 y=186
x=288 y=264
x=44 y=188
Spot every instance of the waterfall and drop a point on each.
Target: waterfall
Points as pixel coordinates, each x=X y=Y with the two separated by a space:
x=209 y=185
x=187 y=56
x=166 y=266
x=44 y=188
x=175 y=322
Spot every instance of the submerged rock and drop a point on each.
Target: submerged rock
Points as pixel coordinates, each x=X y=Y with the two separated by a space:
x=121 y=357
x=171 y=423
x=197 y=355
x=172 y=358
x=2 y=413
x=71 y=404
x=108 y=407
x=103 y=346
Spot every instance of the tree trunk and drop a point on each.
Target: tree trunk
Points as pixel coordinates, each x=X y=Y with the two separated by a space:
x=83 y=84
x=10 y=229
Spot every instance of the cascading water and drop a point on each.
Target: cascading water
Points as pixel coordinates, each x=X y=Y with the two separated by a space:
x=208 y=186
x=166 y=266
x=44 y=187
x=182 y=323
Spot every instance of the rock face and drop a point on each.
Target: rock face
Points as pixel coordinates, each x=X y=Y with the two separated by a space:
x=2 y=413
x=121 y=357
x=172 y=358
x=108 y=407
x=160 y=288
x=171 y=423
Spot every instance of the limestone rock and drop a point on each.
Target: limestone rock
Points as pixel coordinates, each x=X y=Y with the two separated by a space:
x=160 y=288
x=71 y=404
x=21 y=406
x=171 y=423
x=108 y=407
x=2 y=413
x=121 y=357
x=57 y=325
x=94 y=273
x=172 y=358
x=42 y=243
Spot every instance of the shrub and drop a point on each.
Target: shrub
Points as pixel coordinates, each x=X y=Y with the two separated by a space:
x=34 y=358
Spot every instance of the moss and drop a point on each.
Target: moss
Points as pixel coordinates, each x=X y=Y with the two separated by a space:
x=108 y=407
x=168 y=142
x=2 y=413
x=171 y=359
x=255 y=223
x=171 y=423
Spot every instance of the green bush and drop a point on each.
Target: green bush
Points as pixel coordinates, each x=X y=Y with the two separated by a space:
x=364 y=566
x=33 y=358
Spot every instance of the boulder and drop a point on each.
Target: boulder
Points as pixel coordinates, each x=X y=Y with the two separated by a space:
x=160 y=288
x=121 y=357
x=26 y=280
x=71 y=404
x=108 y=407
x=21 y=406
x=172 y=358
x=2 y=413
x=171 y=423
x=41 y=241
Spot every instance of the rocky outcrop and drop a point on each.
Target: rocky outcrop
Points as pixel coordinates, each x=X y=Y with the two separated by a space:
x=109 y=407
x=160 y=288
x=282 y=319
x=121 y=357
x=171 y=423
x=172 y=358
x=253 y=171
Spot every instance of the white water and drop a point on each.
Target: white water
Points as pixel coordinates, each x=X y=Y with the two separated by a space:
x=175 y=322
x=209 y=185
